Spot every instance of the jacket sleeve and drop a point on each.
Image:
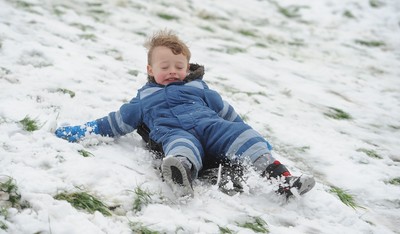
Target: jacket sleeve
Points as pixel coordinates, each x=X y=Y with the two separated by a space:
x=123 y=121
x=221 y=107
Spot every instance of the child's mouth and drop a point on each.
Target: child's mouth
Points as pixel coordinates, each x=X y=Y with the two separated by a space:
x=172 y=79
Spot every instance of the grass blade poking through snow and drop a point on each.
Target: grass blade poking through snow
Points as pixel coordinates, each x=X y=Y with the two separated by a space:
x=138 y=227
x=370 y=153
x=85 y=201
x=66 y=91
x=336 y=113
x=142 y=198
x=345 y=197
x=29 y=124
x=395 y=181
x=257 y=225
x=85 y=153
x=223 y=230
x=3 y=218
x=9 y=192
x=370 y=43
x=10 y=196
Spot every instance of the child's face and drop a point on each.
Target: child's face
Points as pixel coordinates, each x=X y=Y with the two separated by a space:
x=167 y=67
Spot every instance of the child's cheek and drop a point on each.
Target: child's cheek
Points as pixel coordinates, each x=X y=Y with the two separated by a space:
x=182 y=74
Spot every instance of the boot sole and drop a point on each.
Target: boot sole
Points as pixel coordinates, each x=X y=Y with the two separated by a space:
x=307 y=183
x=174 y=173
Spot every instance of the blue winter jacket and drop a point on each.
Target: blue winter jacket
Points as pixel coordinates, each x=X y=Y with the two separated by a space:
x=162 y=108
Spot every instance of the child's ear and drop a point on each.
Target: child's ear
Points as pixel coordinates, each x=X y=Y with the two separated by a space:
x=149 y=70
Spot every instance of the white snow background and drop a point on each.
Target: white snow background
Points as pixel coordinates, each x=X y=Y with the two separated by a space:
x=286 y=67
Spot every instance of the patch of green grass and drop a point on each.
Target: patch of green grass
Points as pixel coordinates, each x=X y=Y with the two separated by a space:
x=395 y=181
x=290 y=11
x=85 y=153
x=234 y=50
x=3 y=225
x=207 y=28
x=98 y=12
x=139 y=228
x=142 y=198
x=82 y=27
x=66 y=91
x=257 y=225
x=345 y=197
x=297 y=42
x=223 y=230
x=370 y=153
x=370 y=43
x=84 y=201
x=58 y=11
x=336 y=113
x=167 y=16
x=209 y=16
x=23 y=4
x=88 y=36
x=94 y=4
x=29 y=124
x=261 y=45
x=143 y=34
x=375 y=3
x=4 y=216
x=348 y=14
x=247 y=33
x=9 y=192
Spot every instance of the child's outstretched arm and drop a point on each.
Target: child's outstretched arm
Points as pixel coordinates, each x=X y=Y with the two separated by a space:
x=115 y=124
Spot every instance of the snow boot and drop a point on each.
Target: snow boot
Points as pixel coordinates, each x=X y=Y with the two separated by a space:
x=296 y=184
x=228 y=176
x=290 y=184
x=176 y=171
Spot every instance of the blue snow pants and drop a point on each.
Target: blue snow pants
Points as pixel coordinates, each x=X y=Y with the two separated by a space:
x=222 y=139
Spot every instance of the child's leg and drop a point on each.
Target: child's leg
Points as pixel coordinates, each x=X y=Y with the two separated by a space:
x=239 y=142
x=181 y=143
x=235 y=141
x=183 y=160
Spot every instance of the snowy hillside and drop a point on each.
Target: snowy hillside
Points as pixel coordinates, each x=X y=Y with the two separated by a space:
x=319 y=79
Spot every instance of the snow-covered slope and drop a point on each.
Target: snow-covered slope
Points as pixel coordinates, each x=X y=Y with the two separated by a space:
x=320 y=80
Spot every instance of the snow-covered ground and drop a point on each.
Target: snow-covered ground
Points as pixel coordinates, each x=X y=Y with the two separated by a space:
x=286 y=67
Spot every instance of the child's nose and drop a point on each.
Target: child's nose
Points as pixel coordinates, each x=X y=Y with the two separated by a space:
x=172 y=71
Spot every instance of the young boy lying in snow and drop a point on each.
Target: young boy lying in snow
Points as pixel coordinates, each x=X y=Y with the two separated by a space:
x=191 y=122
